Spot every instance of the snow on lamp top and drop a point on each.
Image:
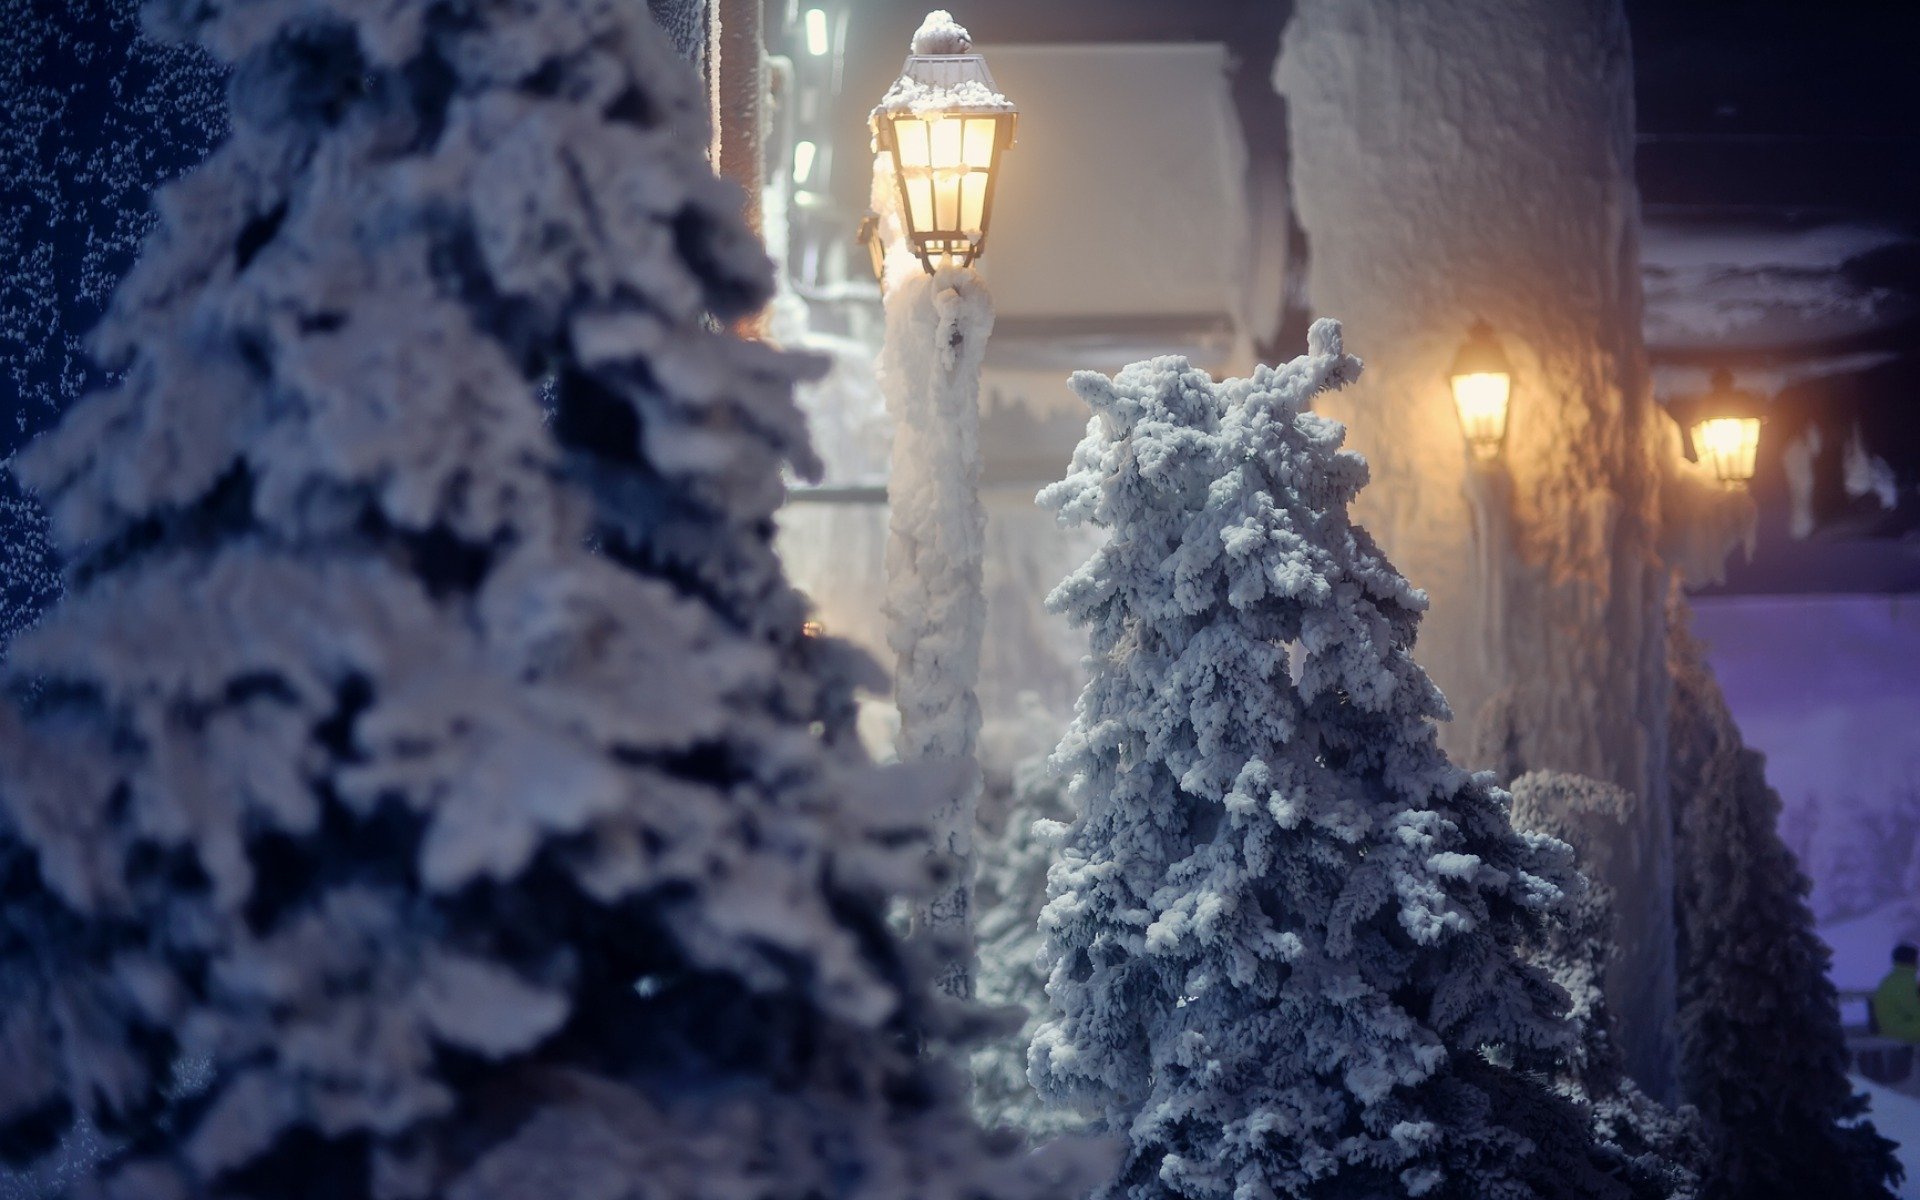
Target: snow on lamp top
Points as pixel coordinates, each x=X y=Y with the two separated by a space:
x=941 y=34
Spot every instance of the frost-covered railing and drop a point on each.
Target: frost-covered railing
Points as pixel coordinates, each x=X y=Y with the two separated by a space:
x=874 y=493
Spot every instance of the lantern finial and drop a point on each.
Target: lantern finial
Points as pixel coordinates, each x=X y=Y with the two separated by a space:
x=941 y=34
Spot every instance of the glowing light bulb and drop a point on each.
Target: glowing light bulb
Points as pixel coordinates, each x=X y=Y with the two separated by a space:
x=1482 y=400
x=1482 y=386
x=1730 y=445
x=817 y=42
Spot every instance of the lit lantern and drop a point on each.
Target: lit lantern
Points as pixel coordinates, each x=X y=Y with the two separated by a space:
x=1726 y=431
x=1482 y=385
x=943 y=127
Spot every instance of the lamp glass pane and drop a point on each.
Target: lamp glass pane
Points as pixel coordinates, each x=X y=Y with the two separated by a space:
x=947 y=135
x=946 y=202
x=920 y=204
x=914 y=140
x=973 y=202
x=978 y=150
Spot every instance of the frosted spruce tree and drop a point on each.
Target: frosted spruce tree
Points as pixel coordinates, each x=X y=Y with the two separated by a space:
x=1761 y=1052
x=446 y=782
x=1660 y=1151
x=1283 y=936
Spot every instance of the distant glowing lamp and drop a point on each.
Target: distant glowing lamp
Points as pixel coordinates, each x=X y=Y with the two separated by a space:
x=1482 y=385
x=944 y=125
x=817 y=41
x=1726 y=431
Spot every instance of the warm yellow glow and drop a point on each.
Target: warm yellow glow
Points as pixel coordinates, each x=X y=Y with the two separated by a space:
x=945 y=162
x=817 y=44
x=1729 y=445
x=803 y=156
x=945 y=137
x=813 y=629
x=1481 y=398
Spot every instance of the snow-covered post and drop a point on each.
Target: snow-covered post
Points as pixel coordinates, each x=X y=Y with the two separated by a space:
x=938 y=135
x=936 y=605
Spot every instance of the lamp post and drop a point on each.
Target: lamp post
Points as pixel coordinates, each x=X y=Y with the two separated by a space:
x=1726 y=431
x=1481 y=379
x=938 y=137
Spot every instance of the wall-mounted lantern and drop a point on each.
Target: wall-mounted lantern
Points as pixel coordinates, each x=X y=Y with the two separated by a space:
x=869 y=235
x=1482 y=385
x=944 y=125
x=1726 y=430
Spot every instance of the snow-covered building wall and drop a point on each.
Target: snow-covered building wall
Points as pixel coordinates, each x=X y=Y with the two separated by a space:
x=1458 y=160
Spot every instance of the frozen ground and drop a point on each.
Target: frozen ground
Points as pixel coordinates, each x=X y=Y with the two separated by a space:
x=1897 y=1115
x=1860 y=948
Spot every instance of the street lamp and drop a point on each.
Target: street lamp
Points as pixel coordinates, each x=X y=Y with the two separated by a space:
x=943 y=126
x=1726 y=430
x=1482 y=385
x=937 y=137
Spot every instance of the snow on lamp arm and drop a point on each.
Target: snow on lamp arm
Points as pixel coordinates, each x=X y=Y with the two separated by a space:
x=1482 y=386
x=1726 y=431
x=944 y=126
x=1482 y=382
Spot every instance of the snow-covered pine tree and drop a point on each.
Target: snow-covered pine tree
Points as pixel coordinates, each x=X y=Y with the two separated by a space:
x=450 y=780
x=1761 y=1052
x=1658 y=1150
x=1283 y=935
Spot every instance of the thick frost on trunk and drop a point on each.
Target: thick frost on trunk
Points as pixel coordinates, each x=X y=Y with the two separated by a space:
x=1460 y=159
x=937 y=329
